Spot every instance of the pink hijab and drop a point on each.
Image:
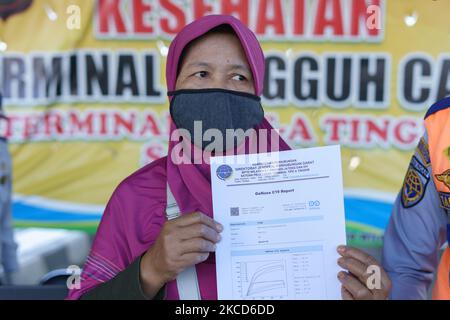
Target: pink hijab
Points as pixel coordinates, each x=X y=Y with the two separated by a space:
x=135 y=213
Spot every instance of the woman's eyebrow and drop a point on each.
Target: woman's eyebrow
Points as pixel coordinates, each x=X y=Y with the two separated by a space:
x=198 y=64
x=239 y=67
x=235 y=66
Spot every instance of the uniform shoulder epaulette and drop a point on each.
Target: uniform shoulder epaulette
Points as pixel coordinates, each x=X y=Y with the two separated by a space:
x=438 y=106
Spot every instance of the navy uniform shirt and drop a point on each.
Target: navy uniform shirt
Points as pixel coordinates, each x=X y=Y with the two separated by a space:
x=417 y=230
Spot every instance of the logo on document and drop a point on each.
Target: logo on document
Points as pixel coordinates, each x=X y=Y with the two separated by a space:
x=224 y=172
x=314 y=204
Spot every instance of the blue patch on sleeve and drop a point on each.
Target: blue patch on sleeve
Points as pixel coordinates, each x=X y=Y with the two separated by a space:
x=415 y=183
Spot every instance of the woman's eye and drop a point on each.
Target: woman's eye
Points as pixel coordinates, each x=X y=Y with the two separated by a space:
x=239 y=77
x=201 y=74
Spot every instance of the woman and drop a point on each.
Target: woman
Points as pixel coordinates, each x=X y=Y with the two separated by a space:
x=137 y=253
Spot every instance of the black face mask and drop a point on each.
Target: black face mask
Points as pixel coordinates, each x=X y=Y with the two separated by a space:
x=216 y=109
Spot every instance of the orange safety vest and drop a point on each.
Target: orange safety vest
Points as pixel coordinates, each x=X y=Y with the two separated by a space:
x=437 y=123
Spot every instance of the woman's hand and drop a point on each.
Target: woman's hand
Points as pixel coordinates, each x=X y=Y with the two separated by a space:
x=361 y=282
x=183 y=242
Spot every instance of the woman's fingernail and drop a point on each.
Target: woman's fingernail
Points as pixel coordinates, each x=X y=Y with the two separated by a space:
x=341 y=275
x=340 y=261
x=341 y=249
x=219 y=237
x=219 y=227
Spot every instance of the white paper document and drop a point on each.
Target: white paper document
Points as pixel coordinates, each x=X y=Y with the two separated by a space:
x=283 y=218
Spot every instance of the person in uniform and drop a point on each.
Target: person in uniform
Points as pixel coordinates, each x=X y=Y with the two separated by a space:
x=8 y=247
x=420 y=221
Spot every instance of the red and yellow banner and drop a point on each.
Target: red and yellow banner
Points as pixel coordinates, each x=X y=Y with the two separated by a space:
x=84 y=89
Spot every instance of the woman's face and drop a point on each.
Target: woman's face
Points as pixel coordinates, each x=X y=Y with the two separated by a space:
x=216 y=60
